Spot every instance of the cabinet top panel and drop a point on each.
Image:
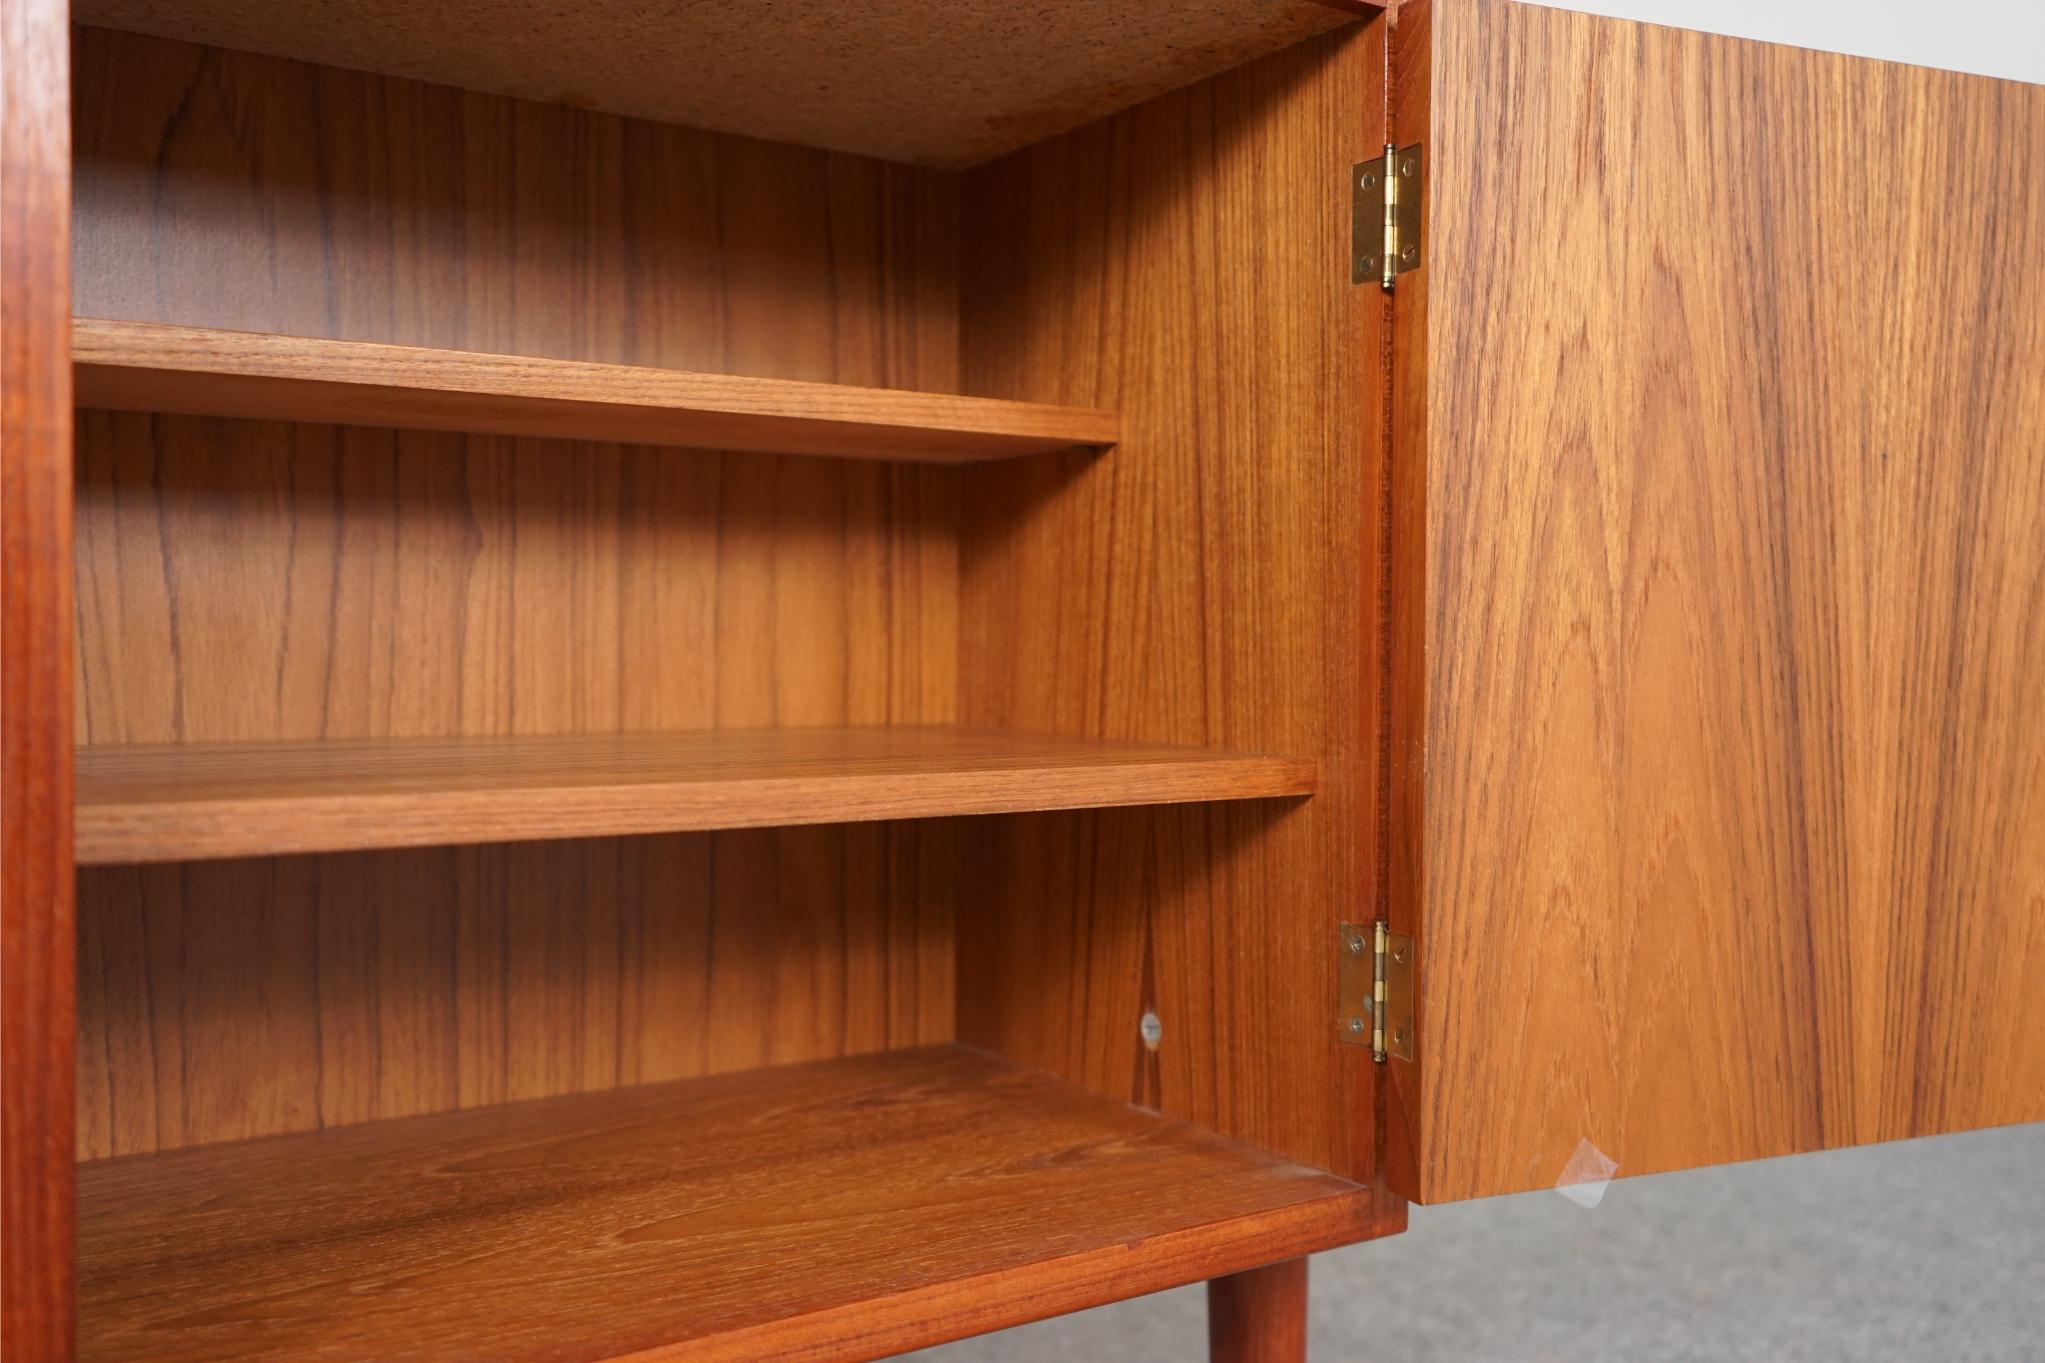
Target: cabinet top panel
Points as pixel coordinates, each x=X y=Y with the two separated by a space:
x=938 y=82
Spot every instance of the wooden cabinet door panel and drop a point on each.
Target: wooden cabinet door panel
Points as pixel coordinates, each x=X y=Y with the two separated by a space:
x=1718 y=560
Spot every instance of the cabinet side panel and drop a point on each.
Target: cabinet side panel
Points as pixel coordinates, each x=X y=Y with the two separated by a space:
x=1735 y=790
x=36 y=1028
x=248 y=580
x=1212 y=579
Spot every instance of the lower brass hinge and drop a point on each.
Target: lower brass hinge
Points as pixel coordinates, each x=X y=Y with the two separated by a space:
x=1384 y=231
x=1376 y=989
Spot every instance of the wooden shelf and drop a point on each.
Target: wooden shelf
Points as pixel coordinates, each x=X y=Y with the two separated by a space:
x=200 y=371
x=165 y=802
x=943 y=82
x=737 y=1216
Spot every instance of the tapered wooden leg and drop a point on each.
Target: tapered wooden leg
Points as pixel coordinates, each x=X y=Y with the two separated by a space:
x=1259 y=1316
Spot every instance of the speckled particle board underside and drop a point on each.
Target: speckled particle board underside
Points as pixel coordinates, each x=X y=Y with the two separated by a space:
x=941 y=82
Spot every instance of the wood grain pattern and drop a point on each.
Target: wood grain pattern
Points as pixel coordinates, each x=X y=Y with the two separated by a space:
x=245 y=581
x=1735 y=543
x=942 y=82
x=668 y=1222
x=199 y=371
x=1259 y=1316
x=1402 y=773
x=312 y=582
x=223 y=1000
x=174 y=801
x=36 y=1014
x=1210 y=583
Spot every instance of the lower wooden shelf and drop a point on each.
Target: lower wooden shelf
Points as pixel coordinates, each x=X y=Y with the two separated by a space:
x=840 y=1209
x=165 y=802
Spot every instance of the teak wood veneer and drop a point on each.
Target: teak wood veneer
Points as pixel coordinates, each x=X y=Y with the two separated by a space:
x=738 y=1217
x=178 y=801
x=1727 y=670
x=140 y=367
x=38 y=1016
x=482 y=867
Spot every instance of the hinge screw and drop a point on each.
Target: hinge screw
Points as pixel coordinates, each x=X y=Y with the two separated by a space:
x=1400 y=1036
x=1370 y=264
x=1407 y=167
x=1399 y=955
x=1356 y=1026
x=1356 y=944
x=1370 y=181
x=1409 y=253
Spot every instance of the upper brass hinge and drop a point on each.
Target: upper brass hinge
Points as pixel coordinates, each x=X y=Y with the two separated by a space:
x=1384 y=231
x=1376 y=989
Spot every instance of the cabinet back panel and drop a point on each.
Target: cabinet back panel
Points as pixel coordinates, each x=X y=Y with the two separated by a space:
x=242 y=580
x=1212 y=581
x=219 y=188
x=219 y=1000
x=255 y=580
x=1734 y=517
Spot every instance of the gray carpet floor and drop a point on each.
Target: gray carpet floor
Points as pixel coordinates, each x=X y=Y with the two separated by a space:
x=1930 y=1249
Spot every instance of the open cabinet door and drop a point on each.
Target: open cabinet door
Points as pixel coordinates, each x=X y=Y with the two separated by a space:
x=1717 y=655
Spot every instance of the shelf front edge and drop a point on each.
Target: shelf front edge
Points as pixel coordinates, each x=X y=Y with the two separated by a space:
x=163 y=803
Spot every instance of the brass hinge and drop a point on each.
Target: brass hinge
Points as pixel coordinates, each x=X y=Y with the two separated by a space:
x=1384 y=231
x=1376 y=989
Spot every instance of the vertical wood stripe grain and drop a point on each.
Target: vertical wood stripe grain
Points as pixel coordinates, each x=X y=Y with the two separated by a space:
x=255 y=580
x=1402 y=602
x=1186 y=263
x=36 y=1015
x=1735 y=600
x=225 y=1000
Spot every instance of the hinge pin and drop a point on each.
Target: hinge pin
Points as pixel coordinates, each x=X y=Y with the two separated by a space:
x=1377 y=993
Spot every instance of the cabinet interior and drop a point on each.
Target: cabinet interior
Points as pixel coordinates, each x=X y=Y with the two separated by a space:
x=842 y=692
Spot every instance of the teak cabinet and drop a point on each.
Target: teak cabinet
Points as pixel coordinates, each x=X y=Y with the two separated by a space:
x=482 y=881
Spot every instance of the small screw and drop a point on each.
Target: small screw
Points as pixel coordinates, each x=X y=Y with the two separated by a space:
x=1399 y=1036
x=1370 y=181
x=1356 y=944
x=1399 y=955
x=1356 y=1026
x=1152 y=1029
x=1409 y=253
x=1370 y=264
x=1408 y=166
